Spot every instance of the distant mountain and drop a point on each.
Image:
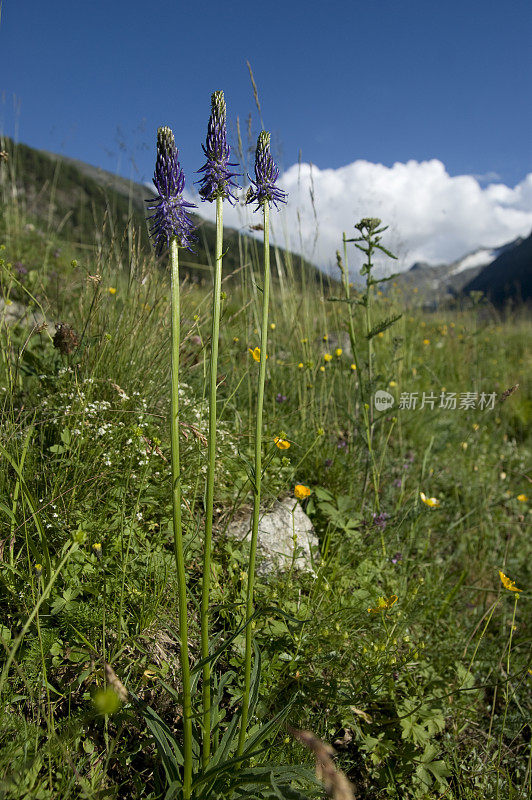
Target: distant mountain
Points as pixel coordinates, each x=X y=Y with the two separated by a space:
x=442 y=282
x=508 y=277
x=76 y=200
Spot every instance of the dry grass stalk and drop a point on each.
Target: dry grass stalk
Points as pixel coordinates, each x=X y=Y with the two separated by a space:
x=115 y=683
x=508 y=393
x=334 y=781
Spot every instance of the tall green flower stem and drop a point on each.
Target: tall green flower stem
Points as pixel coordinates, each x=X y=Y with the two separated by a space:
x=368 y=242
x=178 y=530
x=258 y=477
x=209 y=493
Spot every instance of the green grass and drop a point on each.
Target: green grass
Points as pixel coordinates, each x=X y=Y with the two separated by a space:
x=429 y=698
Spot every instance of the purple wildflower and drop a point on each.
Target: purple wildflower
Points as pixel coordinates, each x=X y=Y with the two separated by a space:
x=171 y=216
x=217 y=179
x=281 y=398
x=266 y=173
x=380 y=519
x=398 y=483
x=396 y=558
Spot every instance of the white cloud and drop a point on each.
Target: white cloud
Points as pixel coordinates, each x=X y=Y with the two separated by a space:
x=431 y=216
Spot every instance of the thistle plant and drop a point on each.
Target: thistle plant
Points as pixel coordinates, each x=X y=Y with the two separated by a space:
x=216 y=185
x=172 y=228
x=263 y=192
x=368 y=242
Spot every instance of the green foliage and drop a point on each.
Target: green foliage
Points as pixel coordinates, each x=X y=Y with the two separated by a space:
x=422 y=697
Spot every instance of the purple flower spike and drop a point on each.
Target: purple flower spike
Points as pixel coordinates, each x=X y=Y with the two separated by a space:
x=171 y=216
x=217 y=179
x=266 y=173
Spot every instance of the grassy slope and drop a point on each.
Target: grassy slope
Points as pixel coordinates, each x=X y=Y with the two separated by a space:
x=73 y=199
x=419 y=699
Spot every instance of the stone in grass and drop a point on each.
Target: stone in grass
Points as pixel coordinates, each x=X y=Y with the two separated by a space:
x=275 y=544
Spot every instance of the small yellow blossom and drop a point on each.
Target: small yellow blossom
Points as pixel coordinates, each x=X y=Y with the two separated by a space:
x=415 y=290
x=300 y=365
x=273 y=326
x=112 y=290
x=381 y=334
x=426 y=341
x=414 y=371
x=325 y=337
x=392 y=384
x=301 y=491
x=320 y=432
x=433 y=502
x=97 y=548
x=304 y=341
x=353 y=367
x=322 y=369
x=507 y=583
x=522 y=498
x=282 y=444
x=383 y=603
x=463 y=445
x=338 y=352
x=476 y=426
x=235 y=339
x=255 y=353
x=327 y=357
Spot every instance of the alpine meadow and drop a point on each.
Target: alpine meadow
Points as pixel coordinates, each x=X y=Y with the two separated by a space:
x=264 y=531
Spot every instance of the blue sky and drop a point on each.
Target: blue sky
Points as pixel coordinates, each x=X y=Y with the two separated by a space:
x=344 y=82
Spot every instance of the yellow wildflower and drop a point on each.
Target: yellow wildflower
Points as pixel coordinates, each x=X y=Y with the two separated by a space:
x=507 y=583
x=112 y=290
x=383 y=603
x=433 y=502
x=255 y=353
x=325 y=337
x=301 y=491
x=235 y=339
x=426 y=341
x=304 y=341
x=522 y=498
x=322 y=369
x=353 y=367
x=273 y=326
x=300 y=365
x=338 y=352
x=476 y=426
x=463 y=445
x=392 y=384
x=327 y=357
x=282 y=444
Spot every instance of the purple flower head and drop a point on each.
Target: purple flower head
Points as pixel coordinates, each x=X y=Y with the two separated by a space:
x=266 y=173
x=281 y=398
x=171 y=216
x=217 y=179
x=380 y=519
x=396 y=558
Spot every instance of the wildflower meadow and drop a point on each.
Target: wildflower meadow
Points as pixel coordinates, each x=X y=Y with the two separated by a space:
x=148 y=652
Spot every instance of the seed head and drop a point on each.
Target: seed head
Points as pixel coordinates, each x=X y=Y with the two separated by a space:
x=217 y=181
x=266 y=174
x=171 y=217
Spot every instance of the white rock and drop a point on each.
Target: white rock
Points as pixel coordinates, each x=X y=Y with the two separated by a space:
x=281 y=528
